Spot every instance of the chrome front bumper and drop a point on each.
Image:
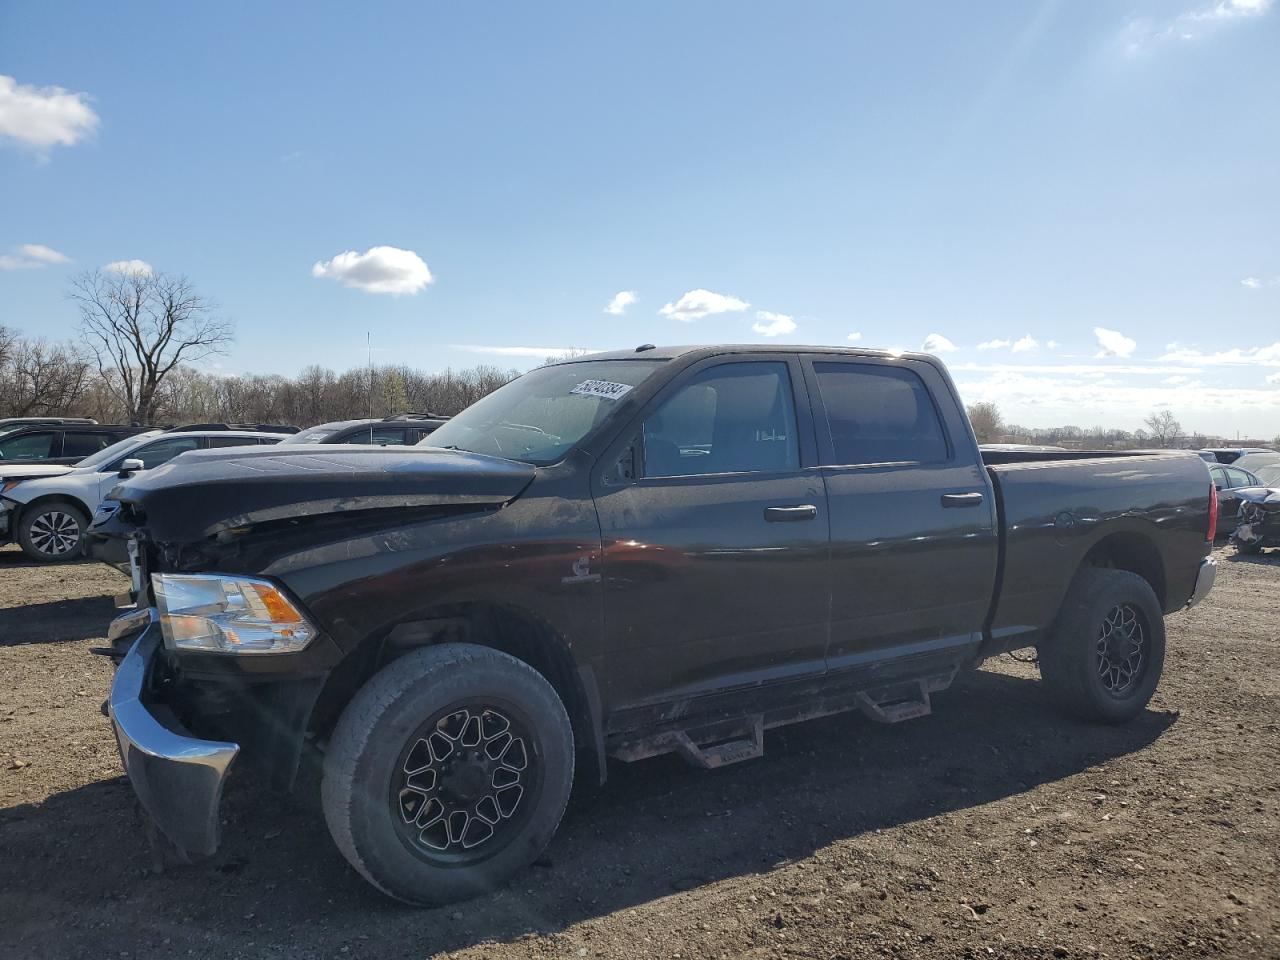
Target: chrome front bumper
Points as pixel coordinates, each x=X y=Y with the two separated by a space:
x=178 y=779
x=1204 y=580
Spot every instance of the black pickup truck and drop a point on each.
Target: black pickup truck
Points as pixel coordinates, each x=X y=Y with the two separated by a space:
x=620 y=555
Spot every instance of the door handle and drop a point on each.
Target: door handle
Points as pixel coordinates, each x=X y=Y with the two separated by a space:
x=961 y=499
x=776 y=514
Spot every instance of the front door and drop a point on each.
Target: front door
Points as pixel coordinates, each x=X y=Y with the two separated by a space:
x=715 y=553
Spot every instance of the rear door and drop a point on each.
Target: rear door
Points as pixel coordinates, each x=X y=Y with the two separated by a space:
x=913 y=526
x=715 y=547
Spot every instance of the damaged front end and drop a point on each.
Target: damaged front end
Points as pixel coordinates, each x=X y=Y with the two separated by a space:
x=178 y=778
x=221 y=657
x=1258 y=523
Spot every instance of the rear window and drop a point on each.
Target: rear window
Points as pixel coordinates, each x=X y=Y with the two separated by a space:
x=879 y=414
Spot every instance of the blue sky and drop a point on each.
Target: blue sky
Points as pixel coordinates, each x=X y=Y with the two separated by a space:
x=476 y=183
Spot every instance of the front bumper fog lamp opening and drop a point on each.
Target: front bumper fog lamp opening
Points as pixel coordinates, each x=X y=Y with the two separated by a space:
x=212 y=613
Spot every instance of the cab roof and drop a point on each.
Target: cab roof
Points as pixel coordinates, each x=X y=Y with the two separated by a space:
x=698 y=351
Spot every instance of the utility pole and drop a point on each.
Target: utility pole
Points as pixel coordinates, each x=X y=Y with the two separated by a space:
x=368 y=342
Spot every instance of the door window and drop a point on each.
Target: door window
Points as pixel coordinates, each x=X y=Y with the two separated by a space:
x=1219 y=477
x=1237 y=477
x=879 y=414
x=219 y=442
x=388 y=436
x=29 y=446
x=162 y=451
x=84 y=444
x=730 y=418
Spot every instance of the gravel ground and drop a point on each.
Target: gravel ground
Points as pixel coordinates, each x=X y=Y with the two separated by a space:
x=992 y=828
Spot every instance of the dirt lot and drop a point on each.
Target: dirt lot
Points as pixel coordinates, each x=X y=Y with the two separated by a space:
x=992 y=828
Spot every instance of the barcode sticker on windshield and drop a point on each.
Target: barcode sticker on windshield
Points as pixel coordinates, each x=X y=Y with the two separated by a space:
x=602 y=388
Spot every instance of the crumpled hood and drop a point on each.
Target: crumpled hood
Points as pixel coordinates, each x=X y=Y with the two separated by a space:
x=204 y=492
x=1266 y=497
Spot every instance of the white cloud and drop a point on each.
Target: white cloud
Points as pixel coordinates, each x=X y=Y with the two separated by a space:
x=701 y=303
x=532 y=353
x=31 y=256
x=1144 y=33
x=937 y=343
x=131 y=267
x=1268 y=356
x=854 y=337
x=994 y=344
x=377 y=270
x=43 y=117
x=1253 y=283
x=1053 y=344
x=1026 y=344
x=770 y=324
x=1273 y=378
x=1075 y=369
x=1112 y=343
x=621 y=300
x=1176 y=381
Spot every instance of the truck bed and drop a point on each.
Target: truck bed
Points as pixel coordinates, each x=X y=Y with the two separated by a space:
x=1055 y=508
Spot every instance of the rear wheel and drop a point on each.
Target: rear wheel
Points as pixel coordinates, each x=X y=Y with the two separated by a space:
x=52 y=532
x=448 y=773
x=1105 y=654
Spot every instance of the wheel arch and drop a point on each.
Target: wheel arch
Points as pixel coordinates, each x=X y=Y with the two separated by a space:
x=513 y=630
x=49 y=498
x=1134 y=552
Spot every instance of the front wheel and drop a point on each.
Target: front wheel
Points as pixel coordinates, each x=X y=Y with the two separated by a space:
x=52 y=532
x=1104 y=656
x=447 y=773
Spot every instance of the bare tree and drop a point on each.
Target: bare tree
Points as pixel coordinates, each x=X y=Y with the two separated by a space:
x=140 y=326
x=986 y=420
x=1163 y=428
x=38 y=378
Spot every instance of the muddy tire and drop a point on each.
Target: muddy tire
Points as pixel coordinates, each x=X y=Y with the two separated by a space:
x=1104 y=656
x=448 y=773
x=52 y=532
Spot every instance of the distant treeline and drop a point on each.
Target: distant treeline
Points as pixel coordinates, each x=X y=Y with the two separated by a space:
x=42 y=378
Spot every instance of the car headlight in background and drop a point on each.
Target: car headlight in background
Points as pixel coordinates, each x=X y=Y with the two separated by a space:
x=214 y=613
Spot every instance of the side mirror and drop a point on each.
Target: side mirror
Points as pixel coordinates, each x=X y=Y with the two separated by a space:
x=131 y=466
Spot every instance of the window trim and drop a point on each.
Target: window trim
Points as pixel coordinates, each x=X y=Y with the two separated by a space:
x=924 y=372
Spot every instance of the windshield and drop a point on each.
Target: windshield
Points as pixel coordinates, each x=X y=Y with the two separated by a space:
x=312 y=434
x=106 y=454
x=537 y=418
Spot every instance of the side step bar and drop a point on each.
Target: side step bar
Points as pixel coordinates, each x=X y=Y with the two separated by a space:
x=717 y=743
x=901 y=701
x=709 y=756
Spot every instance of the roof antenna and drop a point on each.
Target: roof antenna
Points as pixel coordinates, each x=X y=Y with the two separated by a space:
x=643 y=347
x=368 y=342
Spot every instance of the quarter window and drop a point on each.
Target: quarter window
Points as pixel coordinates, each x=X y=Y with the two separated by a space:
x=879 y=414
x=731 y=418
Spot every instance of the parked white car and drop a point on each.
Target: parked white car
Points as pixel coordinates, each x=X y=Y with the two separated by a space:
x=47 y=516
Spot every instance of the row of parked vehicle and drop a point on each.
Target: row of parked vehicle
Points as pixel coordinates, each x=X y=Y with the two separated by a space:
x=56 y=472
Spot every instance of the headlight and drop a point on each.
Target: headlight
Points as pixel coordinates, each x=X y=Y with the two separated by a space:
x=226 y=614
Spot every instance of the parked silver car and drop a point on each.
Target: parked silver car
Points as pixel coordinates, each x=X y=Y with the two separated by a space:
x=47 y=516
